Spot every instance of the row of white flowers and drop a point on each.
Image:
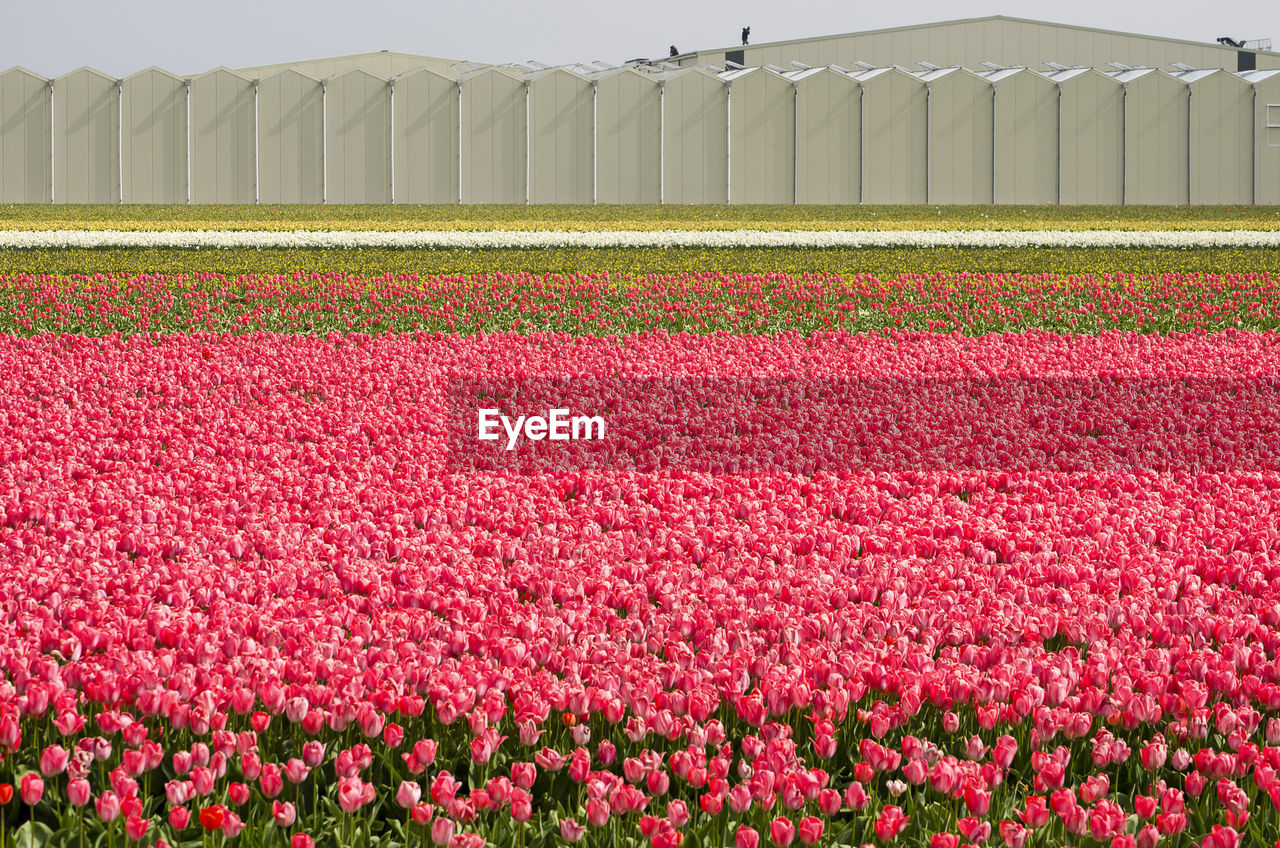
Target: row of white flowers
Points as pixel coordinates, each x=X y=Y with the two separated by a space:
x=349 y=239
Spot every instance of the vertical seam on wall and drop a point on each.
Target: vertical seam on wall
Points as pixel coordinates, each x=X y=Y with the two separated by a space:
x=928 y=151
x=662 y=142
x=120 y=139
x=391 y=138
x=728 y=143
x=862 y=144
x=595 y=143
x=257 y=147
x=324 y=141
x=1124 y=145
x=53 y=145
x=795 y=144
x=993 y=144
x=459 y=84
x=1190 y=91
x=188 y=82
x=528 y=146
x=1059 y=143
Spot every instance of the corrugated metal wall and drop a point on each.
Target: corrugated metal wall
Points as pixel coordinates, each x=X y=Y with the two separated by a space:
x=26 y=143
x=1092 y=142
x=290 y=139
x=223 y=133
x=86 y=138
x=762 y=141
x=829 y=117
x=1221 y=138
x=426 y=138
x=820 y=135
x=1155 y=137
x=1026 y=137
x=357 y=157
x=628 y=138
x=895 y=113
x=695 y=139
x=961 y=137
x=1266 y=144
x=154 y=143
x=494 y=138
x=561 y=147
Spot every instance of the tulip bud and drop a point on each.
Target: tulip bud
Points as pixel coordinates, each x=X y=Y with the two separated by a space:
x=179 y=818
x=78 y=792
x=571 y=831
x=284 y=813
x=31 y=788
x=408 y=794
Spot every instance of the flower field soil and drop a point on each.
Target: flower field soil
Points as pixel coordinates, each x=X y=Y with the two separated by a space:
x=1018 y=588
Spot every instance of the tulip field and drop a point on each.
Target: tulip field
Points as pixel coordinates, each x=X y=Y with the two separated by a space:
x=925 y=559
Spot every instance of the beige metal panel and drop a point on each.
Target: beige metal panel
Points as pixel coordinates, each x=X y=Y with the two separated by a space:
x=894 y=118
x=628 y=138
x=154 y=145
x=762 y=141
x=494 y=137
x=1155 y=138
x=222 y=138
x=1026 y=138
x=86 y=138
x=426 y=138
x=829 y=116
x=290 y=139
x=1221 y=138
x=695 y=138
x=561 y=124
x=357 y=139
x=961 y=137
x=1267 y=139
x=26 y=156
x=383 y=64
x=1092 y=169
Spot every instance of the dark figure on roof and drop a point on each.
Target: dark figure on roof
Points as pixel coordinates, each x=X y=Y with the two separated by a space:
x=746 y=33
x=674 y=51
x=1228 y=41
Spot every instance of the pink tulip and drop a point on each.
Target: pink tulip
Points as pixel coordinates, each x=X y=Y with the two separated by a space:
x=810 y=830
x=179 y=818
x=781 y=831
x=441 y=831
x=78 y=792
x=571 y=831
x=107 y=806
x=284 y=813
x=408 y=794
x=32 y=788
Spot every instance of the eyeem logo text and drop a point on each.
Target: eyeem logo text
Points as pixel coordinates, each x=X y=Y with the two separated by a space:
x=558 y=426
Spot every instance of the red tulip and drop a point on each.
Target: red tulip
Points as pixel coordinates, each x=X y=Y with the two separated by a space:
x=211 y=818
x=781 y=831
x=135 y=828
x=810 y=830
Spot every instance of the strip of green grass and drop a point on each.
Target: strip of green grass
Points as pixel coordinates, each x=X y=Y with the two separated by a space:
x=880 y=262
x=456 y=217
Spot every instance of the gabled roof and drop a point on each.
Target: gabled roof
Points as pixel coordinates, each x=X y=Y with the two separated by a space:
x=85 y=69
x=222 y=69
x=982 y=19
x=18 y=69
x=371 y=54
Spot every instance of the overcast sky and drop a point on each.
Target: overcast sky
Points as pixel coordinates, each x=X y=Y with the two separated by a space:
x=52 y=37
